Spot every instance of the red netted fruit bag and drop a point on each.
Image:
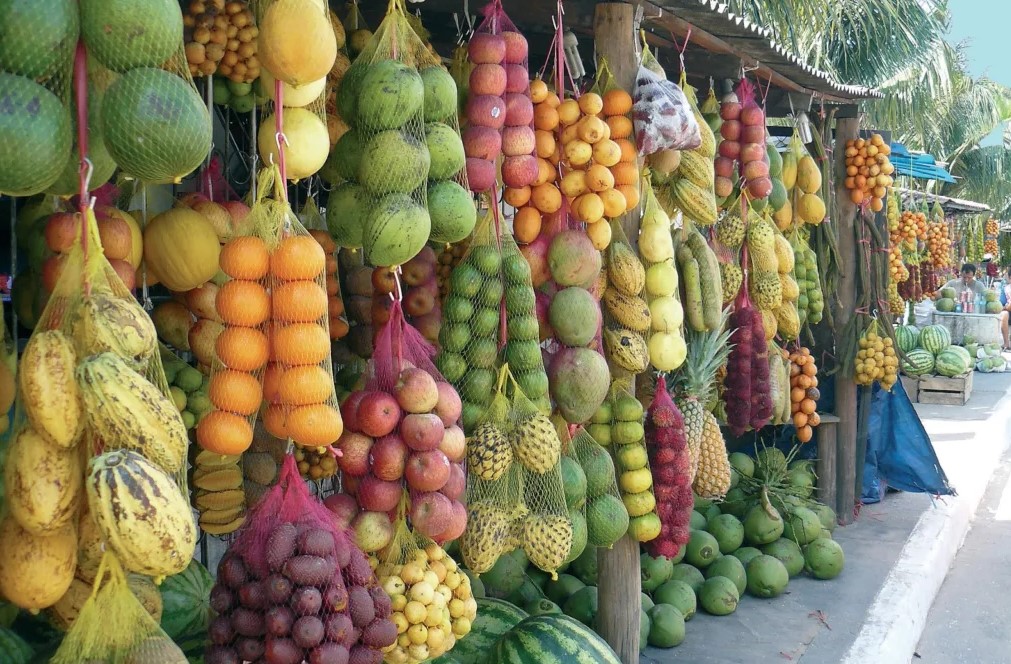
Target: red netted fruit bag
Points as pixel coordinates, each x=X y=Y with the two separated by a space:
x=293 y=588
x=671 y=463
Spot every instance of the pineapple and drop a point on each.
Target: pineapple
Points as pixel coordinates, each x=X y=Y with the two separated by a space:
x=713 y=478
x=695 y=384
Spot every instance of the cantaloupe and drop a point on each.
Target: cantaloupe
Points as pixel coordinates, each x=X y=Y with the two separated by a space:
x=296 y=41
x=307 y=147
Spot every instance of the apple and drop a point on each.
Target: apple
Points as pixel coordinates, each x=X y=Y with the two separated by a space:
x=519 y=171
x=416 y=391
x=457 y=523
x=344 y=508
x=419 y=302
x=488 y=79
x=202 y=337
x=201 y=301
x=378 y=414
x=61 y=231
x=518 y=141
x=449 y=407
x=536 y=254
x=389 y=457
x=481 y=173
x=482 y=142
x=373 y=531
x=355 y=449
x=349 y=410
x=125 y=272
x=238 y=211
x=457 y=482
x=116 y=237
x=219 y=218
x=384 y=281
x=427 y=471
x=189 y=199
x=519 y=111
x=517 y=78
x=454 y=444
x=486 y=111
x=431 y=513
x=376 y=495
x=349 y=483
x=52 y=269
x=429 y=325
x=486 y=48
x=380 y=309
x=421 y=268
x=516 y=48
x=422 y=431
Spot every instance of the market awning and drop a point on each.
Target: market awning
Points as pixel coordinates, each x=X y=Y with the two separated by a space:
x=920 y=166
x=948 y=204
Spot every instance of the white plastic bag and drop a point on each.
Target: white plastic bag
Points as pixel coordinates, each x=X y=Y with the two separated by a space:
x=661 y=115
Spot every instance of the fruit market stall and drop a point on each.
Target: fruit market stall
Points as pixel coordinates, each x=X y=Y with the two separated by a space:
x=425 y=362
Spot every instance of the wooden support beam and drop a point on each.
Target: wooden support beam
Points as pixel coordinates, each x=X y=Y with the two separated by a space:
x=845 y=219
x=620 y=585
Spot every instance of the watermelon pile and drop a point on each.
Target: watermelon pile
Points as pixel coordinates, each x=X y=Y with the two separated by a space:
x=929 y=351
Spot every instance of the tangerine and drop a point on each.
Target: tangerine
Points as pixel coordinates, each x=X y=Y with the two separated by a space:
x=245 y=257
x=299 y=302
x=316 y=425
x=235 y=391
x=242 y=348
x=301 y=343
x=306 y=385
x=224 y=433
x=298 y=257
x=242 y=303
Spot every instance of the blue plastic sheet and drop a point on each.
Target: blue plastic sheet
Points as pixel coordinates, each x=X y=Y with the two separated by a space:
x=899 y=452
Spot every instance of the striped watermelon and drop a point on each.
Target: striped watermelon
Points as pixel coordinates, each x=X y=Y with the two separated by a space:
x=949 y=362
x=14 y=649
x=185 y=598
x=918 y=362
x=552 y=639
x=961 y=352
x=935 y=338
x=495 y=617
x=907 y=336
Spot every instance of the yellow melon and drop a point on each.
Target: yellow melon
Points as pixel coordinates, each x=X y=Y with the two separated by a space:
x=181 y=248
x=296 y=41
x=811 y=208
x=293 y=97
x=808 y=175
x=308 y=143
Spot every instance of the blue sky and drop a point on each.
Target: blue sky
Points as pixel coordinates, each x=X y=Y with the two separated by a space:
x=984 y=24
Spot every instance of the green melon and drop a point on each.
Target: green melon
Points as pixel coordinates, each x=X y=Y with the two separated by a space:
x=573 y=483
x=951 y=363
x=35 y=136
x=948 y=293
x=551 y=639
x=347 y=212
x=606 y=519
x=945 y=305
x=391 y=95
x=579 y=535
x=731 y=568
x=396 y=231
x=446 y=150
x=129 y=34
x=346 y=156
x=452 y=210
x=495 y=617
x=155 y=125
x=37 y=39
x=679 y=594
x=394 y=161
x=440 y=94
x=185 y=601
x=574 y=315
x=349 y=91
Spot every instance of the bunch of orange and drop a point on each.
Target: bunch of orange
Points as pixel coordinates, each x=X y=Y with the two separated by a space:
x=912 y=227
x=897 y=269
x=868 y=171
x=939 y=244
x=804 y=393
x=992 y=227
x=335 y=304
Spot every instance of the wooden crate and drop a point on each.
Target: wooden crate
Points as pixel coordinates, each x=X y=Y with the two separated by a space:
x=945 y=391
x=911 y=384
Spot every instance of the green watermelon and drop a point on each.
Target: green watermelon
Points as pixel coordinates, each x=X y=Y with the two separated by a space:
x=552 y=639
x=37 y=39
x=126 y=34
x=935 y=338
x=950 y=363
x=185 y=599
x=948 y=293
x=495 y=617
x=14 y=649
x=962 y=352
x=918 y=362
x=945 y=305
x=908 y=337
x=35 y=136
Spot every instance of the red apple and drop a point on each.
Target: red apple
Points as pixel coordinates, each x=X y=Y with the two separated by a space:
x=201 y=301
x=520 y=171
x=378 y=414
x=457 y=523
x=188 y=199
x=457 y=482
x=481 y=173
x=52 y=269
x=486 y=111
x=126 y=273
x=219 y=218
x=389 y=456
x=516 y=47
x=355 y=449
x=449 y=406
x=482 y=142
x=519 y=110
x=349 y=410
x=429 y=325
x=454 y=444
x=203 y=337
x=383 y=281
x=416 y=391
x=344 y=508
x=418 y=302
x=61 y=231
x=427 y=471
x=380 y=310
x=376 y=495
x=486 y=48
x=238 y=211
x=518 y=141
x=350 y=484
x=431 y=513
x=517 y=78
x=422 y=431
x=116 y=238
x=421 y=268
x=373 y=531
x=488 y=79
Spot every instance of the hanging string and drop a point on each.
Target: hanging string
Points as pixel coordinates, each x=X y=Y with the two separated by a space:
x=681 y=48
x=279 y=138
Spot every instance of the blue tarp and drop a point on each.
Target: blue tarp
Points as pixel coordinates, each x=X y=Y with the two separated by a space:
x=899 y=452
x=921 y=166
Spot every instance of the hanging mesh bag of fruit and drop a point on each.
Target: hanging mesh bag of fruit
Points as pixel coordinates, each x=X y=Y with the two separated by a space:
x=628 y=447
x=627 y=319
x=36 y=64
x=314 y=222
x=154 y=123
x=661 y=114
x=671 y=464
x=292 y=587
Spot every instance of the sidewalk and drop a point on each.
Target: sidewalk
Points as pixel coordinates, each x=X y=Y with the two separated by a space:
x=897 y=555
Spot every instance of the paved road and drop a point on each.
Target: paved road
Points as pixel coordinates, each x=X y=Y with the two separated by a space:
x=970 y=621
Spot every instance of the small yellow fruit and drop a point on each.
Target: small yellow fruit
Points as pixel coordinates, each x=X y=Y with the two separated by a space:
x=418 y=634
x=666 y=314
x=415 y=612
x=578 y=152
x=667 y=350
x=661 y=279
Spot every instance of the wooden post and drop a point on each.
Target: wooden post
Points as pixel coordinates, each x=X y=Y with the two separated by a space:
x=845 y=388
x=620 y=584
x=826 y=433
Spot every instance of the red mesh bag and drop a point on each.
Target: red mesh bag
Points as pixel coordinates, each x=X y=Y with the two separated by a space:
x=671 y=464
x=294 y=588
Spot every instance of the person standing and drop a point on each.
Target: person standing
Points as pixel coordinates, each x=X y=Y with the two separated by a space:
x=966 y=281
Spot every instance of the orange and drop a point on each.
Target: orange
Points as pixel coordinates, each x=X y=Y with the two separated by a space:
x=517 y=197
x=805 y=433
x=245 y=257
x=224 y=433
x=588 y=208
x=574 y=184
x=614 y=203
x=299 y=302
x=629 y=153
x=338 y=328
x=546 y=198
x=621 y=127
x=578 y=152
x=538 y=91
x=242 y=348
x=545 y=142
x=569 y=134
x=298 y=257
x=235 y=392
x=274 y=421
x=599 y=233
x=242 y=303
x=568 y=112
x=324 y=240
x=334 y=305
x=272 y=382
x=617 y=102
x=552 y=100
x=631 y=194
x=315 y=425
x=607 y=153
x=302 y=386
x=527 y=225
x=546 y=172
x=592 y=129
x=814 y=419
x=599 y=178
x=625 y=173
x=799 y=419
x=545 y=117
x=591 y=103
x=301 y=343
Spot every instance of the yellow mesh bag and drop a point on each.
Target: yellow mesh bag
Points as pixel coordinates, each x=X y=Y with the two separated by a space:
x=37 y=42
x=154 y=123
x=628 y=447
x=114 y=627
x=606 y=519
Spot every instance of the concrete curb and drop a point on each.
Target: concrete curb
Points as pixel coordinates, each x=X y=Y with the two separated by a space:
x=898 y=616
